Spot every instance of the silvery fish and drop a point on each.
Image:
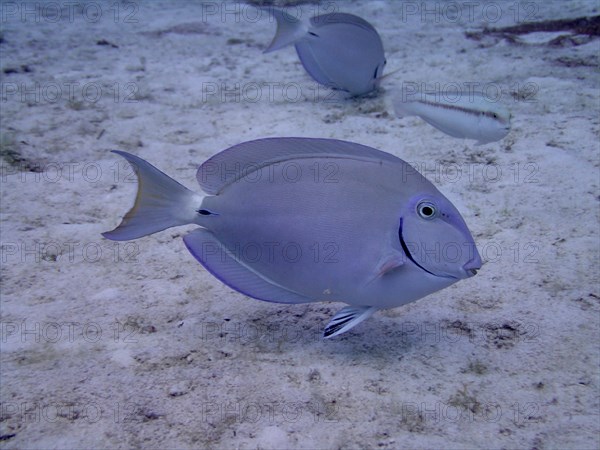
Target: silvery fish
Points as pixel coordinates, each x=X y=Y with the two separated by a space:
x=460 y=115
x=340 y=51
x=296 y=220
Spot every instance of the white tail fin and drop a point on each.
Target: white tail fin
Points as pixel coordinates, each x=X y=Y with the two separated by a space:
x=161 y=203
x=289 y=29
x=403 y=105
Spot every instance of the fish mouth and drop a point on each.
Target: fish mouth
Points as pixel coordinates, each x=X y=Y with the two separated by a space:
x=407 y=252
x=471 y=272
x=473 y=266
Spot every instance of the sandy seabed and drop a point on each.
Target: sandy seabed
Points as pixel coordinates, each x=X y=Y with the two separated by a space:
x=134 y=344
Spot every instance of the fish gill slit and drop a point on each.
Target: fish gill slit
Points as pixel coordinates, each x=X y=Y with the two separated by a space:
x=405 y=248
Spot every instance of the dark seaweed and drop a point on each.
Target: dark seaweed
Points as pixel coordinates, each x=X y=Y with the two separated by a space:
x=582 y=25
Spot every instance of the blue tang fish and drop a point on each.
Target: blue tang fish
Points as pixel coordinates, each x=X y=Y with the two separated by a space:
x=341 y=51
x=296 y=220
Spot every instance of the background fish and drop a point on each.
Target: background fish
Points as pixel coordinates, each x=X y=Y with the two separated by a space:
x=295 y=220
x=341 y=51
x=460 y=115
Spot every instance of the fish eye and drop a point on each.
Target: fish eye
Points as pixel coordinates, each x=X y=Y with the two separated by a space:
x=426 y=210
x=494 y=115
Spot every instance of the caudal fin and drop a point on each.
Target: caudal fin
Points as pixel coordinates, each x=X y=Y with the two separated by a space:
x=161 y=203
x=403 y=104
x=289 y=29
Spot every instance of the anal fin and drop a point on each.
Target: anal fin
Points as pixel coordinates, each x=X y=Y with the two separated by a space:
x=222 y=264
x=347 y=318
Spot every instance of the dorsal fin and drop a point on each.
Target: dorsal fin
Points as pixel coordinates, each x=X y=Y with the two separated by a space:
x=341 y=18
x=243 y=159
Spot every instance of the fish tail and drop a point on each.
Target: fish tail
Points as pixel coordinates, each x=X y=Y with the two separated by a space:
x=402 y=106
x=161 y=203
x=289 y=29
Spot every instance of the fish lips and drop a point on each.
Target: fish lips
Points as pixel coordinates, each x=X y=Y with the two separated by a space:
x=473 y=265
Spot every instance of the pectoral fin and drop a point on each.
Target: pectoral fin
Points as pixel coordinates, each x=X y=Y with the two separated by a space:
x=347 y=318
x=390 y=263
